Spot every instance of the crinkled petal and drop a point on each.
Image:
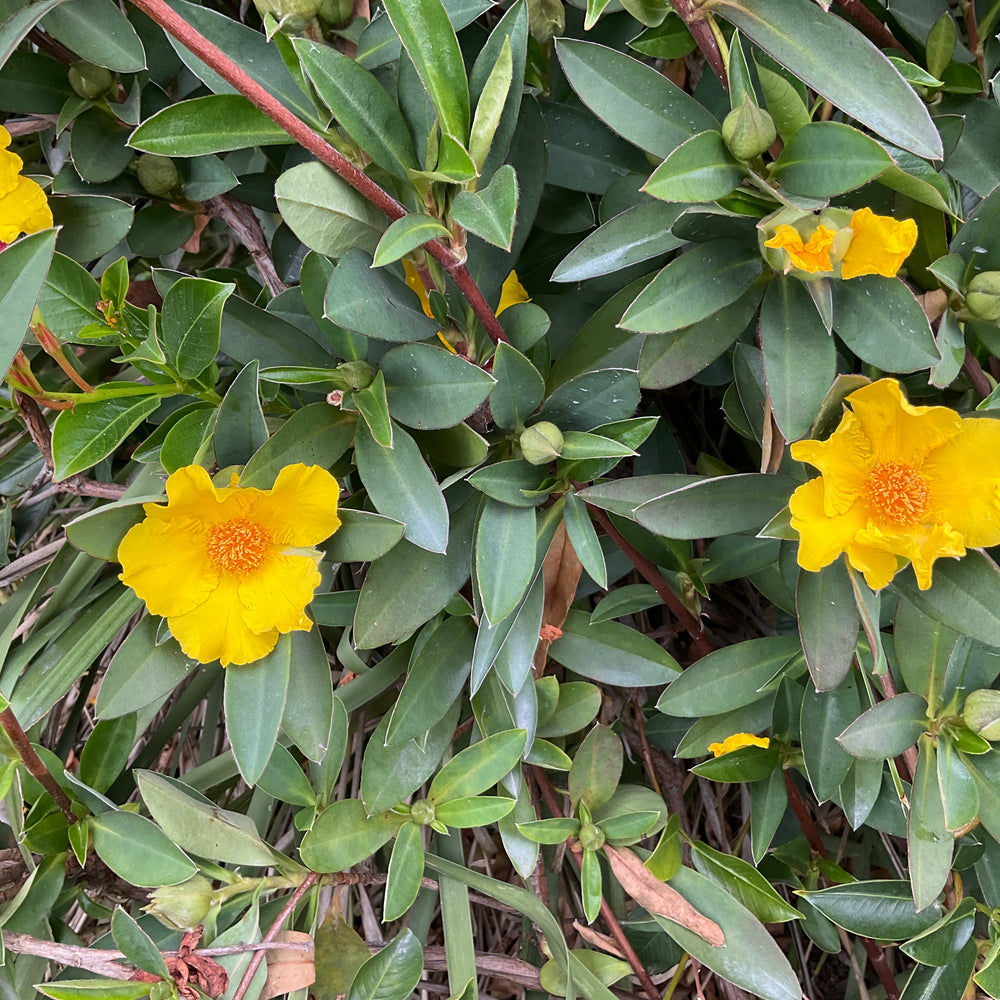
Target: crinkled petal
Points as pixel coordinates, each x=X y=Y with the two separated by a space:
x=822 y=537
x=216 y=629
x=10 y=171
x=879 y=245
x=920 y=544
x=845 y=459
x=23 y=210
x=301 y=509
x=166 y=563
x=964 y=478
x=190 y=493
x=898 y=431
x=276 y=594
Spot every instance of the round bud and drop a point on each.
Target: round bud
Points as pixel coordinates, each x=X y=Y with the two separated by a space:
x=541 y=443
x=422 y=812
x=983 y=296
x=982 y=713
x=748 y=131
x=158 y=174
x=333 y=12
x=546 y=18
x=591 y=837
x=183 y=906
x=88 y=80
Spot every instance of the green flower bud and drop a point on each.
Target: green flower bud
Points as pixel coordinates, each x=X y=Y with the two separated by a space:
x=158 y=174
x=88 y=80
x=748 y=130
x=422 y=812
x=591 y=837
x=332 y=12
x=541 y=443
x=183 y=906
x=292 y=15
x=982 y=713
x=983 y=296
x=546 y=18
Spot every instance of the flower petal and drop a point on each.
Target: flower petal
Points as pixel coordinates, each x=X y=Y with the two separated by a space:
x=216 y=630
x=276 y=594
x=512 y=292
x=301 y=509
x=166 y=563
x=921 y=545
x=879 y=245
x=822 y=537
x=845 y=459
x=23 y=210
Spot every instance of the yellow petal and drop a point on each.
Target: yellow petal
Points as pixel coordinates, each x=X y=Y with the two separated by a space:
x=845 y=458
x=23 y=210
x=276 y=594
x=822 y=537
x=301 y=508
x=10 y=171
x=879 y=245
x=736 y=742
x=511 y=293
x=166 y=564
x=416 y=285
x=216 y=630
x=921 y=545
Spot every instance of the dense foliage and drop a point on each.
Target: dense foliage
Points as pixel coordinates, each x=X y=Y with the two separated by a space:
x=499 y=497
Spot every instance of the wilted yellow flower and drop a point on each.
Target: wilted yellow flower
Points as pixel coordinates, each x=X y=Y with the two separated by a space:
x=232 y=568
x=23 y=208
x=879 y=245
x=512 y=292
x=736 y=742
x=811 y=256
x=899 y=482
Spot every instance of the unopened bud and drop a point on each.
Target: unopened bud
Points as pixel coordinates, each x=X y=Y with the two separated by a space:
x=333 y=12
x=422 y=812
x=292 y=15
x=88 y=80
x=982 y=713
x=591 y=837
x=541 y=443
x=183 y=906
x=748 y=131
x=158 y=174
x=983 y=296
x=546 y=18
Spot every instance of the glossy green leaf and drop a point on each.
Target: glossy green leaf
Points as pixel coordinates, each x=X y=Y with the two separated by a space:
x=929 y=843
x=473 y=811
x=700 y=169
x=191 y=323
x=824 y=159
x=744 y=882
x=374 y=408
x=505 y=557
x=491 y=211
x=363 y=536
x=406 y=869
x=138 y=851
x=597 y=768
x=825 y=715
x=518 y=390
x=240 y=428
x=94 y=989
x=583 y=538
x=887 y=729
x=96 y=30
x=392 y=973
x=958 y=788
x=828 y=623
x=23 y=269
x=406 y=234
x=883 y=910
x=137 y=945
x=478 y=767
x=344 y=834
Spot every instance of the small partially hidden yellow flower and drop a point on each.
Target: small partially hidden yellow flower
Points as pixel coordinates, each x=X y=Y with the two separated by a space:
x=23 y=207
x=899 y=482
x=232 y=568
x=879 y=245
x=736 y=742
x=811 y=256
x=512 y=292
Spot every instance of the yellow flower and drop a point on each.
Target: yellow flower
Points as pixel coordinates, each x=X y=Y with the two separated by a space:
x=879 y=245
x=232 y=568
x=23 y=208
x=812 y=256
x=512 y=292
x=898 y=482
x=736 y=742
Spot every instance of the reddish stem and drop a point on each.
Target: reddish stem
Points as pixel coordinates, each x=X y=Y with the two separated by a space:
x=213 y=56
x=35 y=764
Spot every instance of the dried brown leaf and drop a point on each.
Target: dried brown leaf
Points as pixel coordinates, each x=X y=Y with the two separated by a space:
x=561 y=571
x=289 y=969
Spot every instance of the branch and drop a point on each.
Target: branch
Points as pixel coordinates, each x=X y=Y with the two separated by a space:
x=34 y=763
x=213 y=56
x=695 y=22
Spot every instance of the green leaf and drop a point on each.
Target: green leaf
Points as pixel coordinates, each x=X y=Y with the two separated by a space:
x=138 y=851
x=18 y=22
x=363 y=536
x=730 y=677
x=96 y=30
x=825 y=715
x=97 y=145
x=744 y=882
x=491 y=104
x=392 y=973
x=402 y=487
x=882 y=910
x=505 y=557
x=107 y=751
x=828 y=623
x=431 y=43
x=191 y=323
x=700 y=169
x=254 y=702
x=406 y=234
x=612 y=653
x=693 y=287
x=213 y=124
x=888 y=728
x=519 y=387
x=784 y=102
x=344 y=834
x=136 y=945
x=585 y=542
x=478 y=767
x=824 y=159
x=361 y=106
x=374 y=408
x=824 y=52
x=929 y=843
x=473 y=810
x=240 y=428
x=636 y=101
x=958 y=787
x=591 y=399
x=92 y=225
x=313 y=719
x=94 y=989
x=406 y=869
x=597 y=768
x=554 y=830
x=23 y=269
x=490 y=212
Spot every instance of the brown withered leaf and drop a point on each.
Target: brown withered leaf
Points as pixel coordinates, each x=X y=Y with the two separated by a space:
x=597 y=939
x=658 y=897
x=561 y=570
x=289 y=969
x=191 y=970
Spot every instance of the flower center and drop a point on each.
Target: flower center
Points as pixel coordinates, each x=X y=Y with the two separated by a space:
x=239 y=545
x=897 y=492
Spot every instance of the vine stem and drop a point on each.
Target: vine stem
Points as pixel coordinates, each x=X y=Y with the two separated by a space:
x=35 y=764
x=191 y=39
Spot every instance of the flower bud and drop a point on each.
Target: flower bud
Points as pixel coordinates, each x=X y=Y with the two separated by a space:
x=332 y=12
x=292 y=15
x=546 y=18
x=982 y=713
x=541 y=443
x=591 y=837
x=422 y=812
x=183 y=906
x=88 y=80
x=748 y=131
x=158 y=174
x=983 y=296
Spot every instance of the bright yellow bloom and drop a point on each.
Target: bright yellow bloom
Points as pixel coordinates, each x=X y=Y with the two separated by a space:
x=879 y=245
x=737 y=742
x=232 y=568
x=812 y=256
x=512 y=292
x=898 y=482
x=23 y=208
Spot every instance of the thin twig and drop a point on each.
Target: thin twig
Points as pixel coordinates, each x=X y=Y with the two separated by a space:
x=34 y=763
x=241 y=220
x=695 y=22
x=976 y=375
x=175 y=25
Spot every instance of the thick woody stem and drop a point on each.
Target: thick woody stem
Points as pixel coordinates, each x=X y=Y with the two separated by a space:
x=175 y=25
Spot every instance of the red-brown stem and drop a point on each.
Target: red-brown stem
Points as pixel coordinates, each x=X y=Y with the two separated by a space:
x=175 y=25
x=968 y=9
x=976 y=375
x=700 y=643
x=876 y=955
x=307 y=882
x=34 y=763
x=871 y=26
x=702 y=34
